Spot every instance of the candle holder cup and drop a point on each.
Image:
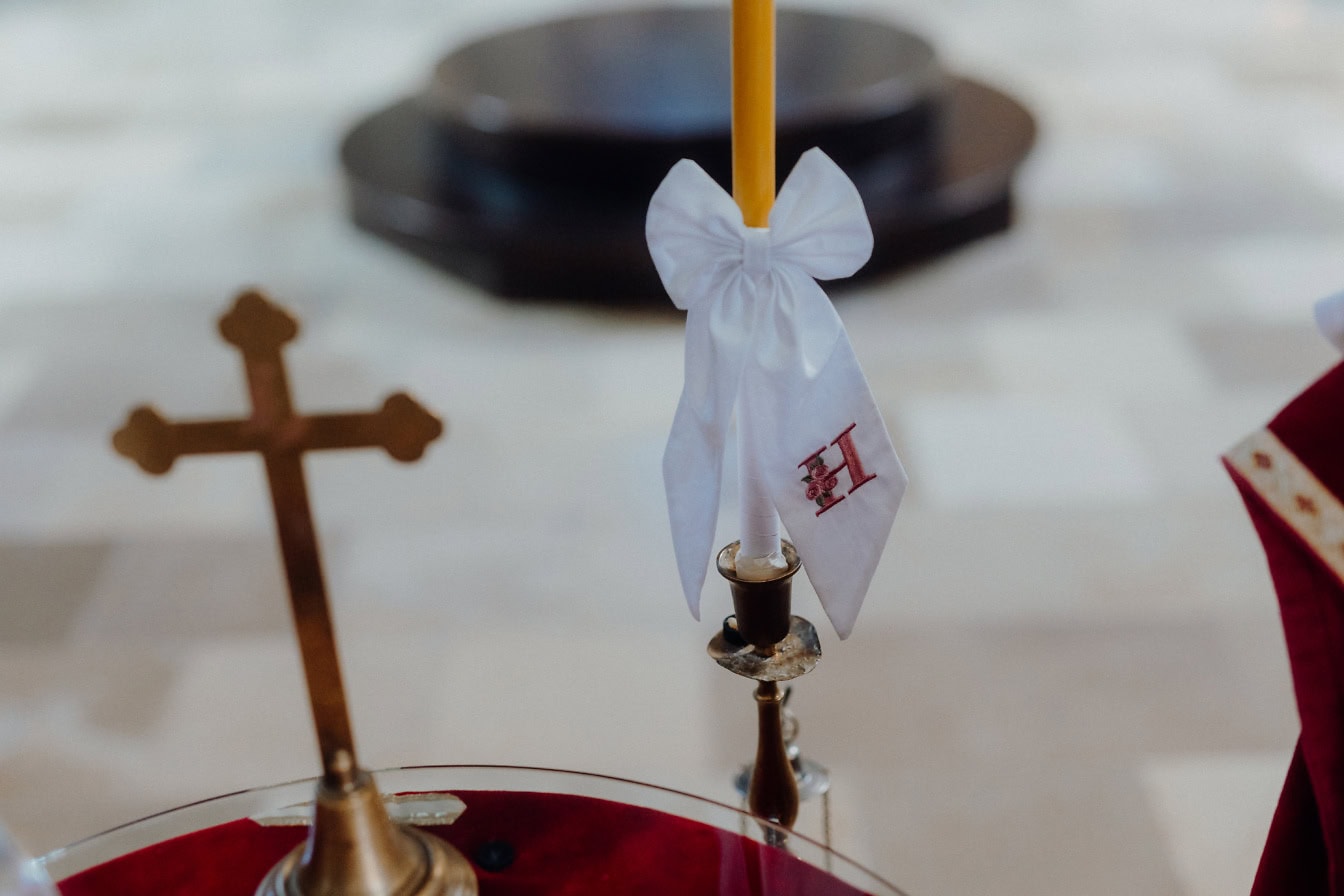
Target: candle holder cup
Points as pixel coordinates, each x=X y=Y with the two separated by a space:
x=761 y=608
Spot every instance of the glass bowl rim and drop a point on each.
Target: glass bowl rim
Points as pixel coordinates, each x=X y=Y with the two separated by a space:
x=858 y=874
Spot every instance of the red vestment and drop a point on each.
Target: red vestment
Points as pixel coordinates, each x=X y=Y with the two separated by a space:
x=1291 y=476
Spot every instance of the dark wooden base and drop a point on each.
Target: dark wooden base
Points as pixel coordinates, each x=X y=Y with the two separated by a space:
x=934 y=178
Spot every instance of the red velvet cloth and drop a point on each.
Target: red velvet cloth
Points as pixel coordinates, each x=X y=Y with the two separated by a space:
x=564 y=845
x=1305 y=847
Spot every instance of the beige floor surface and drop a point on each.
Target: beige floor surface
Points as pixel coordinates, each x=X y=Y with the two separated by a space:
x=1069 y=677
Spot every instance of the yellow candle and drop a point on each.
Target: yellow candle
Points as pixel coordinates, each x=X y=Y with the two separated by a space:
x=754 y=109
x=759 y=557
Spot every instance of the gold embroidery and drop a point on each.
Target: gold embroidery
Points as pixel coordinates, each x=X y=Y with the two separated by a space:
x=1294 y=494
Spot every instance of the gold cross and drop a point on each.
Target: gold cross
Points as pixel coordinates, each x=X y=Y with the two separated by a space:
x=401 y=427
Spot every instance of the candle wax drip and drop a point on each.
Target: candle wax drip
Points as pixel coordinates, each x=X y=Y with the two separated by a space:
x=760 y=569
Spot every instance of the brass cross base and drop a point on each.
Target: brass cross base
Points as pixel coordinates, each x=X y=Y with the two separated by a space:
x=762 y=641
x=354 y=849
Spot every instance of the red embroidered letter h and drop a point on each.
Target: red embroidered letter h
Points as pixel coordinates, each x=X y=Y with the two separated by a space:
x=822 y=480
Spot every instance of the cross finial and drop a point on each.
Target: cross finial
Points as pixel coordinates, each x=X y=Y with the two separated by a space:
x=257 y=325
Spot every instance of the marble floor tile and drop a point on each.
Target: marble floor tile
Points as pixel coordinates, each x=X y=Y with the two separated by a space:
x=173 y=591
x=914 y=357
x=1027 y=830
x=1020 y=450
x=1201 y=802
x=1199 y=558
x=1244 y=356
x=44 y=587
x=1319 y=155
x=17 y=372
x=40 y=782
x=93 y=491
x=1278 y=278
x=1069 y=676
x=1116 y=355
x=948 y=696
x=1186 y=439
x=1110 y=171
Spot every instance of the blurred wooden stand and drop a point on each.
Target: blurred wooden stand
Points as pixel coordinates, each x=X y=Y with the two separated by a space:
x=526 y=162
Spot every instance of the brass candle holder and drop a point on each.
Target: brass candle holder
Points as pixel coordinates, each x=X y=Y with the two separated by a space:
x=763 y=641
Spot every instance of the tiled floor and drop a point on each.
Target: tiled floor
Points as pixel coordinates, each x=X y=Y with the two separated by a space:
x=1069 y=677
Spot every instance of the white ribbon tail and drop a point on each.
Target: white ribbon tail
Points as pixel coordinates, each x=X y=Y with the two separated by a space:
x=832 y=416
x=692 y=478
x=693 y=460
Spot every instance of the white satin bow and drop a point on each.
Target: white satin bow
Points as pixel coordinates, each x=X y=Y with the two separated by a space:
x=758 y=326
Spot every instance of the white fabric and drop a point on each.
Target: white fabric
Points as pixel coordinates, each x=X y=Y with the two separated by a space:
x=758 y=326
x=1330 y=319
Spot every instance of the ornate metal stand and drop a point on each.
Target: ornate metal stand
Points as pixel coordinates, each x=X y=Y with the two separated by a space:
x=764 y=642
x=353 y=848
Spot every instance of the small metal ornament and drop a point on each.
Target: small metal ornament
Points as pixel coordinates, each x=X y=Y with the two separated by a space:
x=764 y=642
x=353 y=848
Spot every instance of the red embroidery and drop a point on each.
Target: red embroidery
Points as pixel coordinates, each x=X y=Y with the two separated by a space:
x=1306 y=505
x=821 y=479
x=821 y=482
x=1262 y=460
x=857 y=474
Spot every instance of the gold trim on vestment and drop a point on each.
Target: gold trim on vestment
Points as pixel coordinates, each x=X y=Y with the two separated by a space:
x=1295 y=495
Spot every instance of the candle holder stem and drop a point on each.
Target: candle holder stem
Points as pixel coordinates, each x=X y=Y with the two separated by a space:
x=773 y=790
x=813 y=779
